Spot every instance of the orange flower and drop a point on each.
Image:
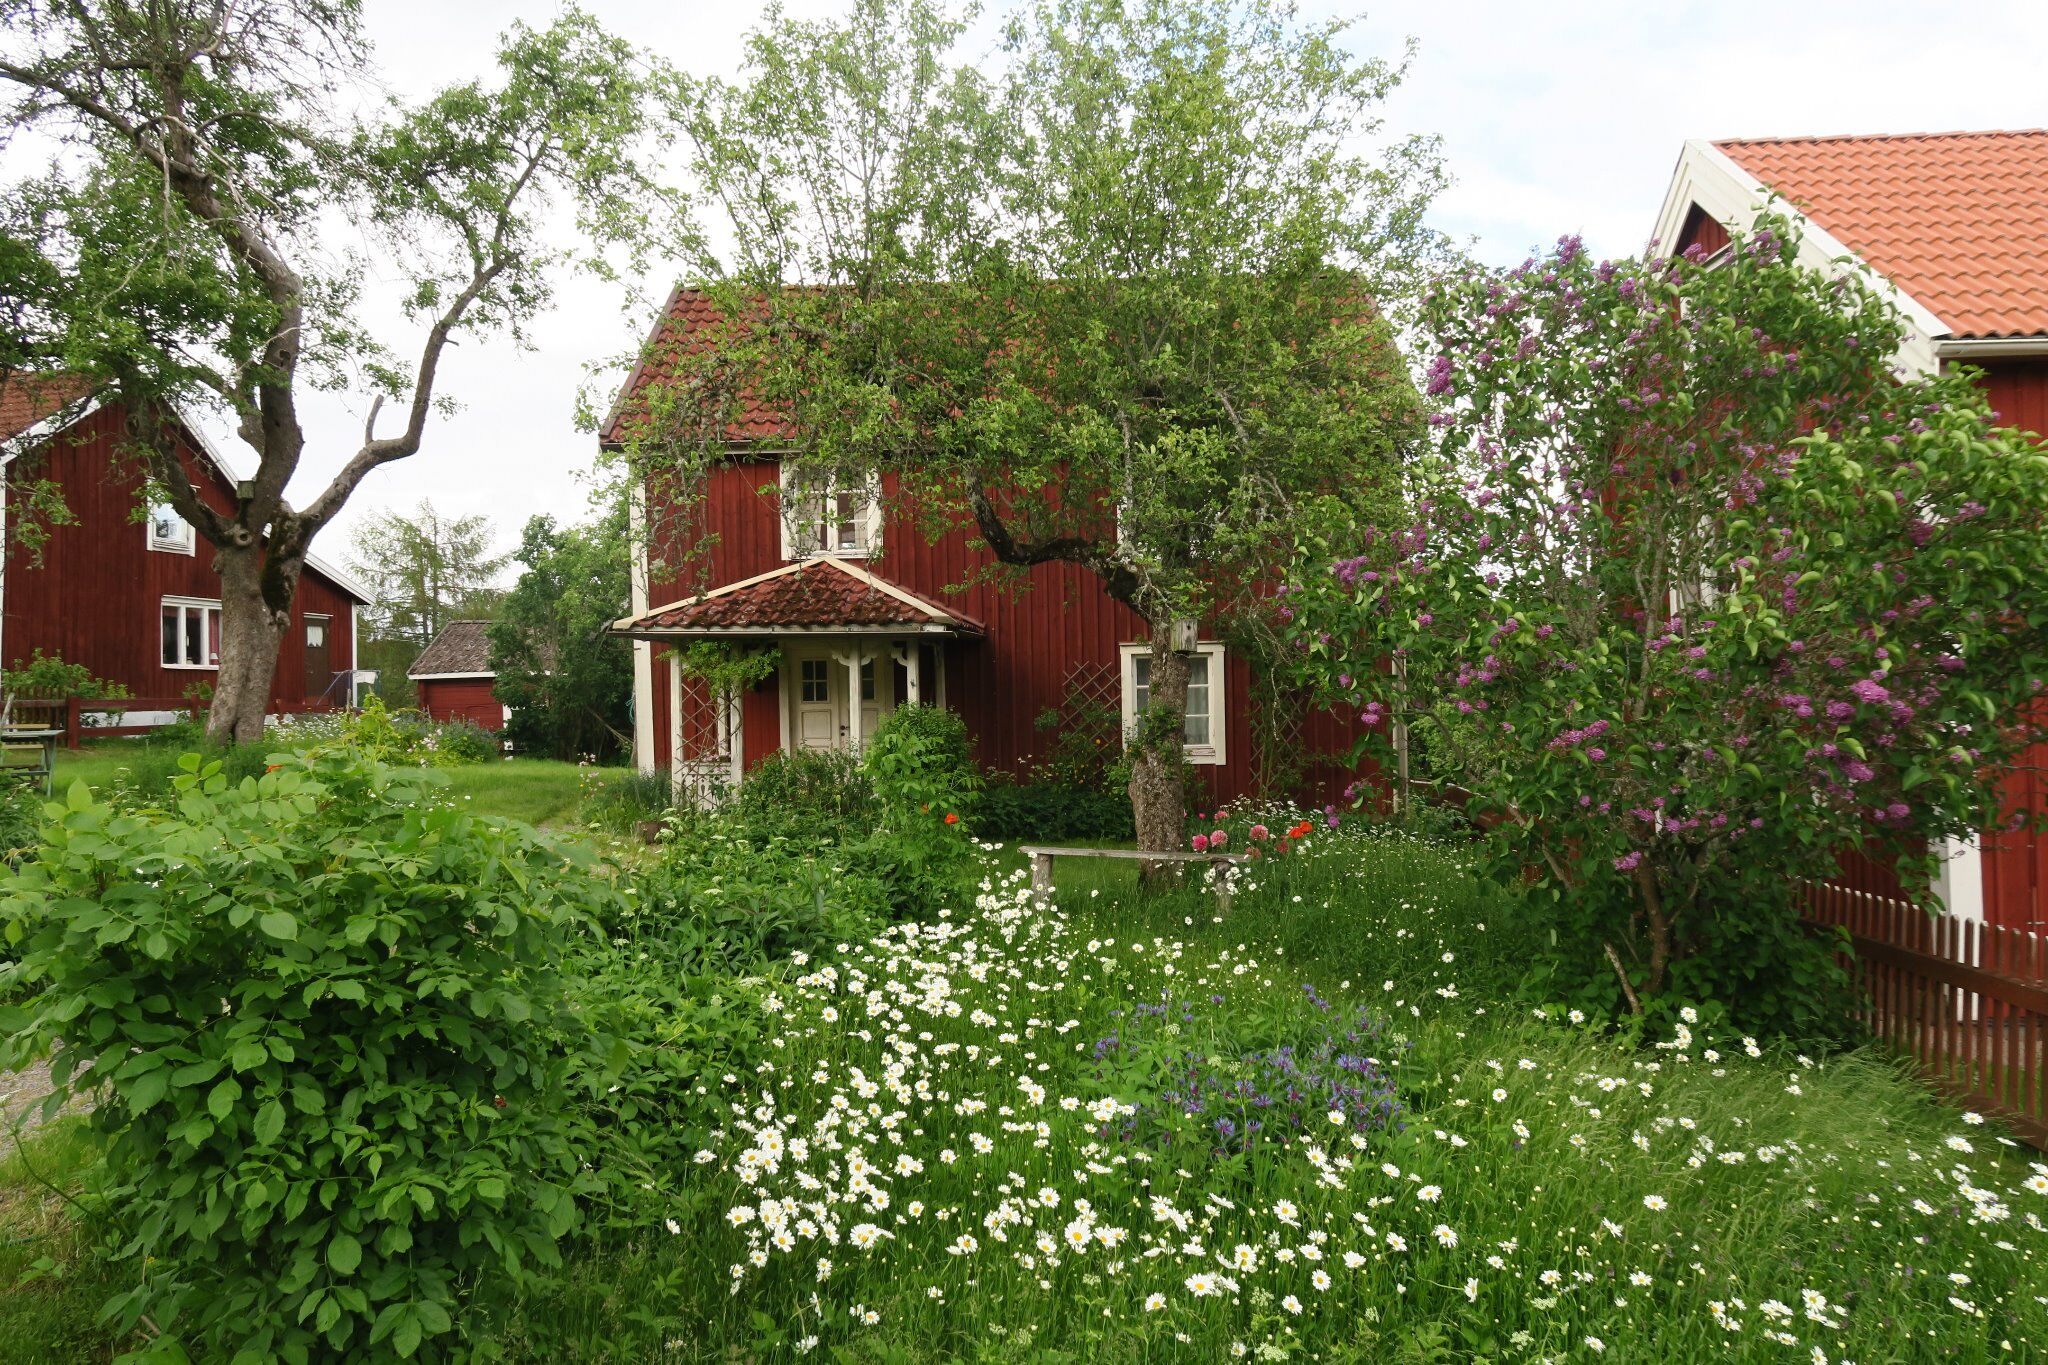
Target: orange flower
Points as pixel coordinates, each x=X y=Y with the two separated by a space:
x=952 y=819
x=272 y=767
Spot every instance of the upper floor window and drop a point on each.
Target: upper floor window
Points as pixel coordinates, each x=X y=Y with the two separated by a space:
x=833 y=516
x=168 y=531
x=1202 y=725
x=191 y=632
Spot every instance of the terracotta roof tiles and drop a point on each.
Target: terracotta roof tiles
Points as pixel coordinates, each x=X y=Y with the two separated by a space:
x=690 y=325
x=821 y=593
x=1959 y=221
x=26 y=399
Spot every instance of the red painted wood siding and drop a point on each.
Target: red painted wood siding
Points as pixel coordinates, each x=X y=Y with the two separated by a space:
x=469 y=699
x=2016 y=861
x=96 y=599
x=999 y=684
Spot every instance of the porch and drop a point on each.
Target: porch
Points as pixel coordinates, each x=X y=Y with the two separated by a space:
x=850 y=647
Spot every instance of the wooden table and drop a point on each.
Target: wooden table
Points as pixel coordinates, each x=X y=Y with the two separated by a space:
x=45 y=742
x=1041 y=864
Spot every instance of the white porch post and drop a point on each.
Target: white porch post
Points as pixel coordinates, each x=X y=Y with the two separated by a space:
x=734 y=724
x=1960 y=881
x=912 y=658
x=854 y=660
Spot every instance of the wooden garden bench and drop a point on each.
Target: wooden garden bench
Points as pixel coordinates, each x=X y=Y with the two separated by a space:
x=1041 y=864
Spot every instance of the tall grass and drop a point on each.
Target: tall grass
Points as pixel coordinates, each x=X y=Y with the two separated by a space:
x=964 y=1143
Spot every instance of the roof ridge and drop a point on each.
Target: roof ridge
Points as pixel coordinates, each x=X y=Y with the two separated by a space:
x=1782 y=139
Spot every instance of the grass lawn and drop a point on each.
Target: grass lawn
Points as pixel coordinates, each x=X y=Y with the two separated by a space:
x=537 y=791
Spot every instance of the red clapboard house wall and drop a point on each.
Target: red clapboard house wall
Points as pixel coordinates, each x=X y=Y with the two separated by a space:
x=136 y=600
x=844 y=593
x=1955 y=227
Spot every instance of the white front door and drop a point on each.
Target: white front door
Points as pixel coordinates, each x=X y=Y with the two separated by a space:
x=821 y=688
x=820 y=702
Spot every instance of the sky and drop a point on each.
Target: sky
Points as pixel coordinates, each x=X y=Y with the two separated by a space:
x=1556 y=117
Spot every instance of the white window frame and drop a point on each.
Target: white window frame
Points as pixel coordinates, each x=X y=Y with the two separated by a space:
x=1216 y=750
x=205 y=606
x=803 y=525
x=170 y=545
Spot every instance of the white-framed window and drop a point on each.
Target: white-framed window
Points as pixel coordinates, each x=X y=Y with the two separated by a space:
x=190 y=632
x=168 y=531
x=839 y=517
x=1203 y=727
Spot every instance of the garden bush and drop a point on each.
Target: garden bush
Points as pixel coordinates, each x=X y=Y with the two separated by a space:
x=923 y=777
x=806 y=796
x=320 y=1017
x=617 y=800
x=1699 y=592
x=1043 y=812
x=46 y=677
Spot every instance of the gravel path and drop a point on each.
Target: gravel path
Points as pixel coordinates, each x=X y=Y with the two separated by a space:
x=20 y=1092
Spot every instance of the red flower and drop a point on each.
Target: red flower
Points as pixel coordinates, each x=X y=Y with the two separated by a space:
x=952 y=819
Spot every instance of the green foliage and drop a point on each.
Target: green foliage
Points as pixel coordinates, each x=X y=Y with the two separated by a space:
x=1045 y=812
x=1087 y=745
x=616 y=800
x=808 y=797
x=46 y=677
x=321 y=1019
x=21 y=816
x=924 y=779
x=725 y=668
x=424 y=570
x=1700 y=592
x=570 y=685
x=410 y=737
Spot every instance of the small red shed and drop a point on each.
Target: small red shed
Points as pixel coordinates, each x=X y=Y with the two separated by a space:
x=455 y=677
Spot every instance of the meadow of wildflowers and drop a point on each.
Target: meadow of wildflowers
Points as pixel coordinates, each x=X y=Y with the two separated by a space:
x=1072 y=1128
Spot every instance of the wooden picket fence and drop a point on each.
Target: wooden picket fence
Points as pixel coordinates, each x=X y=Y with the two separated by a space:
x=1967 y=1001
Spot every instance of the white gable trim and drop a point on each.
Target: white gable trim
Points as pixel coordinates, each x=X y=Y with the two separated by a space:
x=881 y=585
x=1709 y=177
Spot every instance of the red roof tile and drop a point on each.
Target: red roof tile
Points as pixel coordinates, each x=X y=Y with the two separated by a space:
x=27 y=399
x=688 y=326
x=812 y=594
x=1959 y=221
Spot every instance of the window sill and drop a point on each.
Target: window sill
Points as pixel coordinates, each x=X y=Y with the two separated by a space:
x=195 y=668
x=164 y=548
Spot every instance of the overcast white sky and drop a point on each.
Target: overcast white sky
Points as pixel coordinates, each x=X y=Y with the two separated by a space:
x=1556 y=117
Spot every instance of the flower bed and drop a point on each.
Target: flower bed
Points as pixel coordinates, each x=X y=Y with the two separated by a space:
x=967 y=1138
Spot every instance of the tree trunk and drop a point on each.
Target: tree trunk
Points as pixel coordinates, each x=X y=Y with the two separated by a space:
x=1659 y=925
x=1158 y=760
x=256 y=609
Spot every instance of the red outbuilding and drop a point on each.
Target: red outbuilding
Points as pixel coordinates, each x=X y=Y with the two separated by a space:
x=129 y=591
x=865 y=613
x=1953 y=227
x=455 y=677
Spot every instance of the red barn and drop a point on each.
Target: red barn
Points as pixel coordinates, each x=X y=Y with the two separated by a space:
x=455 y=677
x=861 y=609
x=133 y=597
x=1954 y=228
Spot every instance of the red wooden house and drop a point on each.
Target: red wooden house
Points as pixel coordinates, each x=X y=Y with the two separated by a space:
x=863 y=611
x=135 y=598
x=455 y=677
x=1954 y=227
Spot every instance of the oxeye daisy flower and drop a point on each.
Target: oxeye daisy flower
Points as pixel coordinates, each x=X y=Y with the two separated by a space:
x=1656 y=1203
x=1320 y=1278
x=1154 y=1302
x=1292 y=1305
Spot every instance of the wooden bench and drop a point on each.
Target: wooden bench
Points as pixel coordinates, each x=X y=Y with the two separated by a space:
x=1042 y=856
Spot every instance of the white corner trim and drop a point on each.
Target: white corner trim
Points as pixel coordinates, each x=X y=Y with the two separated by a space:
x=643 y=650
x=1960 y=882
x=1707 y=176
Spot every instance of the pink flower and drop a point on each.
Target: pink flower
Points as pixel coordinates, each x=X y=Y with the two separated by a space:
x=1201 y=843
x=1260 y=834
x=1220 y=839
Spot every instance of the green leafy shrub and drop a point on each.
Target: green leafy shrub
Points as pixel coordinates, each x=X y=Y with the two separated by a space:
x=21 y=817
x=320 y=1019
x=618 y=799
x=46 y=677
x=464 y=741
x=924 y=778
x=1042 y=812
x=807 y=797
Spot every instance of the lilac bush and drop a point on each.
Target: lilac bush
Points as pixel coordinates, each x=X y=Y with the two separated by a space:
x=1699 y=591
